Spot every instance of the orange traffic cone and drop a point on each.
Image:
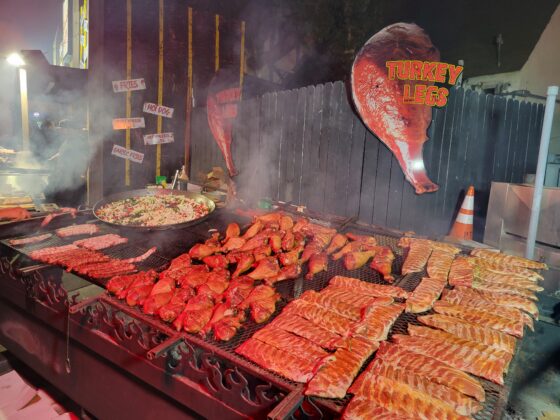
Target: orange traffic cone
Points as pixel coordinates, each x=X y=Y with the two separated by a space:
x=463 y=227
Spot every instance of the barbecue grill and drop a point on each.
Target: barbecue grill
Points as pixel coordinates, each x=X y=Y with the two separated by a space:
x=203 y=374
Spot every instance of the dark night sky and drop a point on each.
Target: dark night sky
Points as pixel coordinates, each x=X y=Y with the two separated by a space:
x=29 y=24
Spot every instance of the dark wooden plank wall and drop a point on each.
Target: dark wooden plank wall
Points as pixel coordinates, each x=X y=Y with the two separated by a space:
x=145 y=55
x=309 y=147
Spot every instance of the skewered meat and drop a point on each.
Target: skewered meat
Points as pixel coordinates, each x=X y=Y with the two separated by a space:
x=507 y=269
x=244 y=263
x=317 y=314
x=481 y=317
x=290 y=343
x=286 y=273
x=425 y=294
x=317 y=263
x=470 y=332
x=504 y=299
x=511 y=280
x=101 y=242
x=287 y=365
x=455 y=353
x=439 y=264
x=404 y=400
x=376 y=323
x=74 y=230
x=399 y=125
x=232 y=231
x=508 y=260
x=355 y=260
x=462 y=404
x=364 y=409
x=369 y=289
x=262 y=301
x=216 y=261
x=304 y=328
x=431 y=369
x=30 y=240
x=417 y=257
x=461 y=272
x=337 y=242
x=458 y=297
x=267 y=267
x=382 y=262
x=199 y=251
x=336 y=374
x=170 y=311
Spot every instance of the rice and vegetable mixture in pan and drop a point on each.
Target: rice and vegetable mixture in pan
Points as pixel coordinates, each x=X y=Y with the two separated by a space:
x=152 y=210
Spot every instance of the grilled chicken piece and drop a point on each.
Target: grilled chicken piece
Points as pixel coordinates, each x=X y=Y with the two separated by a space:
x=215 y=285
x=227 y=327
x=355 y=246
x=233 y=244
x=262 y=301
x=289 y=258
x=253 y=243
x=199 y=251
x=286 y=223
x=137 y=295
x=147 y=279
x=275 y=241
x=232 y=231
x=337 y=242
x=262 y=252
x=362 y=238
x=118 y=284
x=193 y=276
x=270 y=217
x=155 y=302
x=310 y=249
x=286 y=273
x=288 y=241
x=383 y=262
x=317 y=263
x=244 y=263
x=175 y=306
x=267 y=267
x=253 y=229
x=214 y=240
x=355 y=260
x=238 y=290
x=196 y=315
x=183 y=260
x=220 y=311
x=216 y=261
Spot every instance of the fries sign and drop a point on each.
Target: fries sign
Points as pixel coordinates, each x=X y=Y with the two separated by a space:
x=158 y=110
x=124 y=123
x=128 y=85
x=128 y=154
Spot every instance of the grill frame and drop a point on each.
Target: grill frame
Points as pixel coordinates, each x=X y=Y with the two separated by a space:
x=290 y=289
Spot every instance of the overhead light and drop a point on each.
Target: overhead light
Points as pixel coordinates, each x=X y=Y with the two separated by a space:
x=15 y=60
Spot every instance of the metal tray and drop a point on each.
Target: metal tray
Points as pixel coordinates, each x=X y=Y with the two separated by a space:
x=154 y=192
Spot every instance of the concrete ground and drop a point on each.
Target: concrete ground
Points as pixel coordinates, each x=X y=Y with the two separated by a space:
x=536 y=373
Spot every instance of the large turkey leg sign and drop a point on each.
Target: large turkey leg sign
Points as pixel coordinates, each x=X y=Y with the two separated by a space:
x=221 y=103
x=379 y=100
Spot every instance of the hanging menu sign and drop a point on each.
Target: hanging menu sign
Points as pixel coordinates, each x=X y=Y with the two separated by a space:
x=158 y=110
x=125 y=123
x=128 y=154
x=161 y=138
x=128 y=85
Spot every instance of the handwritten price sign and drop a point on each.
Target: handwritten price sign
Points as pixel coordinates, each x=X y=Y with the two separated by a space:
x=128 y=154
x=124 y=123
x=128 y=85
x=162 y=138
x=158 y=110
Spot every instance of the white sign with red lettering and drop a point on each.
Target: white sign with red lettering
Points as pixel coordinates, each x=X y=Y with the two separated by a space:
x=128 y=85
x=160 y=138
x=125 y=123
x=129 y=154
x=158 y=110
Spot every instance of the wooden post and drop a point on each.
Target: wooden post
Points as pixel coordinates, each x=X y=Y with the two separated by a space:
x=189 y=96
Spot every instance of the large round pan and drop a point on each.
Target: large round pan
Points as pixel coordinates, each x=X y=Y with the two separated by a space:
x=142 y=193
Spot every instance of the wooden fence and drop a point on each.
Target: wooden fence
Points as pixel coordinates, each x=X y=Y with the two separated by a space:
x=309 y=147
